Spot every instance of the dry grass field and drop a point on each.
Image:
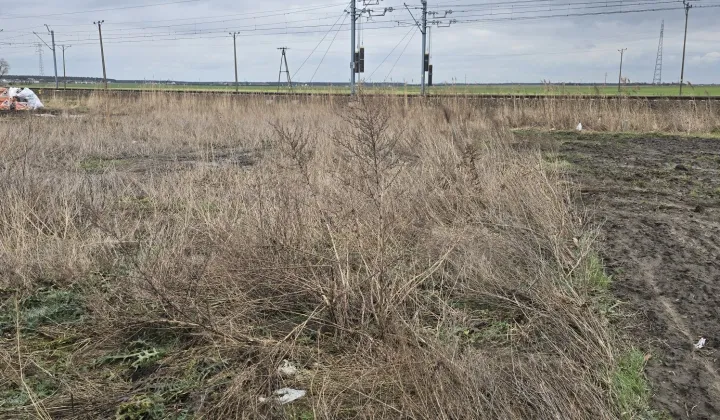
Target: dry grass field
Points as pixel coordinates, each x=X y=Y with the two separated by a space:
x=162 y=258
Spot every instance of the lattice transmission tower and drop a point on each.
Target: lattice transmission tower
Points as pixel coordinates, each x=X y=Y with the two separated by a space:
x=39 y=50
x=657 y=77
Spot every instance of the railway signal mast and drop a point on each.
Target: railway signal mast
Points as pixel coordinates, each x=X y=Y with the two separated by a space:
x=425 y=65
x=357 y=52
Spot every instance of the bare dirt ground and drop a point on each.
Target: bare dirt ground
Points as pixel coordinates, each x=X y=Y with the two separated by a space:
x=658 y=201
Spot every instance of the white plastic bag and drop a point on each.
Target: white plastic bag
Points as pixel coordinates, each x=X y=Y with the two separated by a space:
x=30 y=97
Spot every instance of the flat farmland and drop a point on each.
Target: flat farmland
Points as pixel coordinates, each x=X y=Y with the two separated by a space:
x=550 y=90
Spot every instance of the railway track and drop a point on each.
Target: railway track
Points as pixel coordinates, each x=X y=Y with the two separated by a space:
x=42 y=92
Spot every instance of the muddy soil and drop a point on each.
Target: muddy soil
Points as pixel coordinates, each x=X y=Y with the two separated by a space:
x=658 y=201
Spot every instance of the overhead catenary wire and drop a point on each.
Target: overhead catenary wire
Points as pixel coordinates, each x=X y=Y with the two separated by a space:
x=343 y=14
x=326 y=53
x=201 y=21
x=296 y=29
x=475 y=14
x=390 y=53
x=400 y=56
x=520 y=13
x=103 y=10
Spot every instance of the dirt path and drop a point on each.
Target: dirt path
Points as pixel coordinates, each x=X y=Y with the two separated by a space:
x=659 y=202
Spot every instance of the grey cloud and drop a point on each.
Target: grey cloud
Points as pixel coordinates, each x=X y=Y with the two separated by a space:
x=561 y=49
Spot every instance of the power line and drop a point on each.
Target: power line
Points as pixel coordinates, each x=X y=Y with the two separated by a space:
x=326 y=52
x=102 y=10
x=343 y=14
x=521 y=13
x=400 y=56
x=475 y=13
x=246 y=16
x=460 y=21
x=391 y=51
x=293 y=29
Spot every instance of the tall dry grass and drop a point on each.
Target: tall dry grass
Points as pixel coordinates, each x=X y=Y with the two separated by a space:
x=615 y=114
x=413 y=262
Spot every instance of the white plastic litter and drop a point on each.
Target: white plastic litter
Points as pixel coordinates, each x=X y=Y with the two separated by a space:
x=579 y=127
x=701 y=343
x=287 y=369
x=285 y=395
x=30 y=97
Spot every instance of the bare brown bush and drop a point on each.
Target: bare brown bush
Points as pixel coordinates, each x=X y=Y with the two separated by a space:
x=413 y=262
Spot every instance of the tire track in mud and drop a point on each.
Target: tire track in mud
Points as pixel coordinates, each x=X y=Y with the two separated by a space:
x=658 y=202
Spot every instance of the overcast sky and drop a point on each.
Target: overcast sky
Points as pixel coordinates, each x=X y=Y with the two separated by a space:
x=189 y=40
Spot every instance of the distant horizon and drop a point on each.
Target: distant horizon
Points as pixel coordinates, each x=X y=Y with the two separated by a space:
x=47 y=79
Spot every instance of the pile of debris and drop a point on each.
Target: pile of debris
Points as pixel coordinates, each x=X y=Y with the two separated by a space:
x=19 y=99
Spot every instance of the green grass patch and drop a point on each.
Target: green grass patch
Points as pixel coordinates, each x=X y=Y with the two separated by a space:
x=141 y=407
x=14 y=396
x=596 y=273
x=556 y=161
x=45 y=307
x=98 y=164
x=630 y=389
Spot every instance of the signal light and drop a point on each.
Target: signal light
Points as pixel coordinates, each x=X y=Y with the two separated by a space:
x=362 y=60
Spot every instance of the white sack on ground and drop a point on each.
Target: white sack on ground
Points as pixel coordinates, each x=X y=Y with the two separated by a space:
x=30 y=97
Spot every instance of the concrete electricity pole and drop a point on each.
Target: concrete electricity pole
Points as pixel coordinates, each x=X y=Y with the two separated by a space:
x=687 y=6
x=353 y=17
x=622 y=52
x=234 y=35
x=102 y=50
x=52 y=37
x=423 y=31
x=64 y=47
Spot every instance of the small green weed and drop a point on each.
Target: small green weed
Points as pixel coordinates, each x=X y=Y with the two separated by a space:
x=16 y=396
x=138 y=359
x=51 y=306
x=299 y=413
x=141 y=407
x=596 y=273
x=630 y=388
x=98 y=164
x=496 y=332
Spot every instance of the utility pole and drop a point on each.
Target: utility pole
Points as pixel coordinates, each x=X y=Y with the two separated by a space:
x=353 y=63
x=283 y=59
x=622 y=52
x=64 y=47
x=425 y=62
x=102 y=50
x=687 y=6
x=234 y=35
x=52 y=37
